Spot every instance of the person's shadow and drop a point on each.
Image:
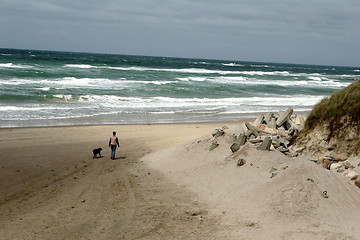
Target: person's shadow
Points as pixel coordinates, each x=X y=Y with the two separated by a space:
x=118 y=158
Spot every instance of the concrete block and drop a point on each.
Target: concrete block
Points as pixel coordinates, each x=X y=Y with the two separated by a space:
x=253 y=129
x=218 y=133
x=265 y=145
x=258 y=120
x=272 y=123
x=268 y=117
x=284 y=116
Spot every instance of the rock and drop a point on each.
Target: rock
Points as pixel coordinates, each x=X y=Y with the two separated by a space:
x=258 y=120
x=273 y=174
x=347 y=165
x=342 y=157
x=294 y=154
x=299 y=149
x=310 y=180
x=217 y=133
x=324 y=194
x=270 y=131
x=350 y=174
x=284 y=116
x=272 y=170
x=357 y=183
x=326 y=164
x=256 y=140
x=284 y=142
x=335 y=165
x=328 y=158
x=265 y=145
x=272 y=148
x=282 y=149
x=224 y=127
x=276 y=143
x=252 y=130
x=340 y=170
x=268 y=117
x=261 y=127
x=241 y=162
x=214 y=145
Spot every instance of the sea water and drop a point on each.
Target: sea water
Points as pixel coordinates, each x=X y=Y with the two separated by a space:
x=45 y=88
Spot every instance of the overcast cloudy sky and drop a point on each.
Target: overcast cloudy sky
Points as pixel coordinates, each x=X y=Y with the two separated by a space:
x=309 y=31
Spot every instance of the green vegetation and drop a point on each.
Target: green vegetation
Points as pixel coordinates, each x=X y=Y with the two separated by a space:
x=343 y=107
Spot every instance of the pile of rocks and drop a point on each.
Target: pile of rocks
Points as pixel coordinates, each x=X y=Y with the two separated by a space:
x=268 y=132
x=340 y=164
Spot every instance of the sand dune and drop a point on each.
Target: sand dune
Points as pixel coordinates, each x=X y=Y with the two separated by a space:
x=254 y=205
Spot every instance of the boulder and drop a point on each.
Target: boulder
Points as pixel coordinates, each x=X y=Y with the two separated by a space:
x=357 y=183
x=326 y=164
x=336 y=165
x=265 y=145
x=347 y=164
x=241 y=162
x=217 y=133
x=284 y=116
x=342 y=157
x=350 y=174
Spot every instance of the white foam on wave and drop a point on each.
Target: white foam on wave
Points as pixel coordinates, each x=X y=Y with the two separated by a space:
x=112 y=101
x=64 y=97
x=265 y=66
x=314 y=82
x=44 y=88
x=85 y=66
x=11 y=65
x=232 y=65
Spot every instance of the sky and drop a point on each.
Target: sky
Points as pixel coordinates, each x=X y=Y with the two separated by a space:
x=323 y=32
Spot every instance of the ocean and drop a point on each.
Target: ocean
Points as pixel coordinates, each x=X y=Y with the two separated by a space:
x=47 y=88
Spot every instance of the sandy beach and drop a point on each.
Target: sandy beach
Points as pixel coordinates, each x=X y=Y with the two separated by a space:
x=164 y=184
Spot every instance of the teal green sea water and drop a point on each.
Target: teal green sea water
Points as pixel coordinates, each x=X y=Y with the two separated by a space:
x=42 y=88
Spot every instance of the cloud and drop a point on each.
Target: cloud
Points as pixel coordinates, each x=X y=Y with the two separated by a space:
x=162 y=25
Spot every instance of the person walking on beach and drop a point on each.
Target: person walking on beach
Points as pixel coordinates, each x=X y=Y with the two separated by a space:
x=113 y=142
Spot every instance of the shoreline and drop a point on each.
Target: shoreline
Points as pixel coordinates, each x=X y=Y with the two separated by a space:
x=233 y=118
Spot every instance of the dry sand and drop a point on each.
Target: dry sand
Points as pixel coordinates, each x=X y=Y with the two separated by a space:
x=164 y=184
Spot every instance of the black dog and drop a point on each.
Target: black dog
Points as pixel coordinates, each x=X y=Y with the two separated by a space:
x=97 y=151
